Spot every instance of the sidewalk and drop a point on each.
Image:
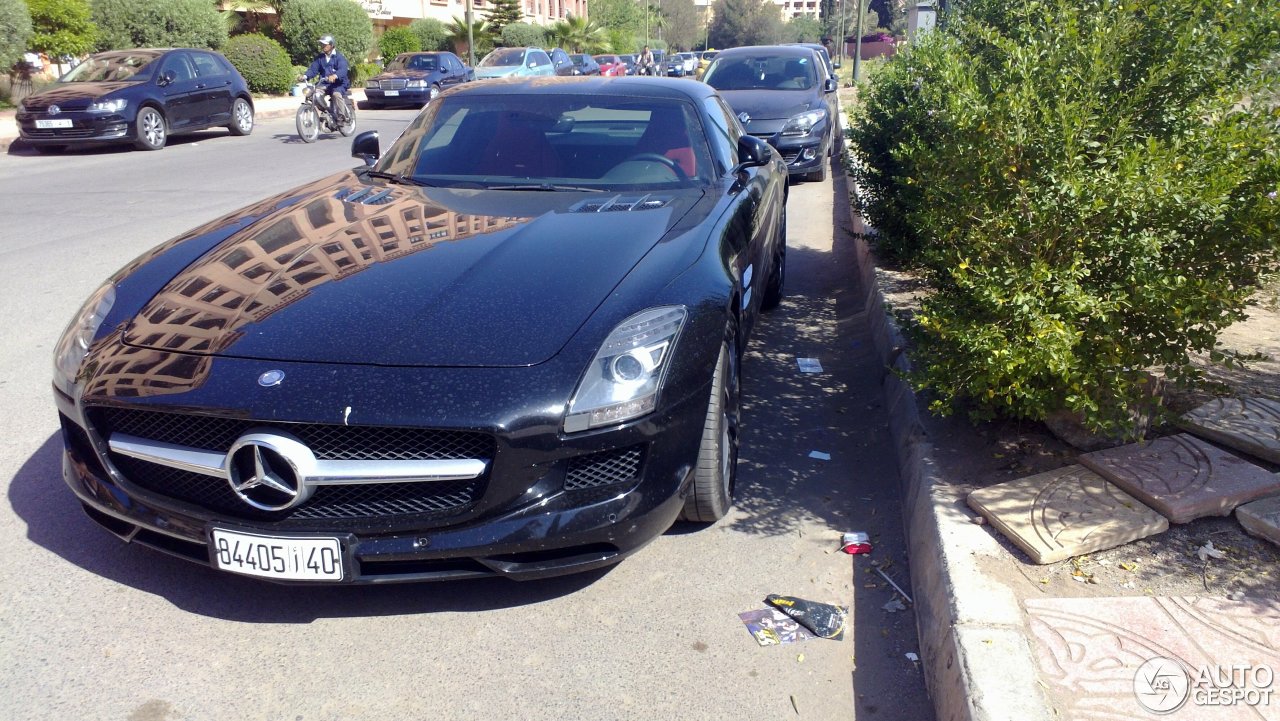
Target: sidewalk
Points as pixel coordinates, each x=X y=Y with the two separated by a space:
x=264 y=107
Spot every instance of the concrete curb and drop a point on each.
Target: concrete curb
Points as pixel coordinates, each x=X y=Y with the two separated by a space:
x=974 y=638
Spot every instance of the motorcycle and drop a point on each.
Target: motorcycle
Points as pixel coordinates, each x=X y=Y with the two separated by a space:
x=313 y=115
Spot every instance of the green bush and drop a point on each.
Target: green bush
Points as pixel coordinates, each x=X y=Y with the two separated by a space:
x=1087 y=189
x=361 y=72
x=61 y=27
x=398 y=40
x=149 y=24
x=15 y=30
x=304 y=21
x=431 y=33
x=262 y=61
x=518 y=35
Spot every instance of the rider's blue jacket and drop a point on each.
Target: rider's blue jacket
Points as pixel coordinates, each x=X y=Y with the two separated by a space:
x=326 y=65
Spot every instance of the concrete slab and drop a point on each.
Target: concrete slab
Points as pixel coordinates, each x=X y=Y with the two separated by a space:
x=1261 y=518
x=1090 y=651
x=1183 y=477
x=1065 y=512
x=1250 y=425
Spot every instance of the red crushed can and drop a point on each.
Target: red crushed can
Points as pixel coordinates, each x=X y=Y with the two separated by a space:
x=855 y=543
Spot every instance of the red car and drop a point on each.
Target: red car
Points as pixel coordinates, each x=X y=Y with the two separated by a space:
x=611 y=66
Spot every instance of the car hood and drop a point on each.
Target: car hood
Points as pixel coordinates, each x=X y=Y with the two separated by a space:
x=500 y=71
x=368 y=274
x=771 y=104
x=70 y=93
x=412 y=74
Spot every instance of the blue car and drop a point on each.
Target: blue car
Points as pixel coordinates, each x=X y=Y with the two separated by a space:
x=414 y=79
x=515 y=63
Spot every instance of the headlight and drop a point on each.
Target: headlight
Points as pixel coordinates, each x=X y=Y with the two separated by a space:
x=803 y=123
x=108 y=106
x=416 y=84
x=626 y=374
x=372 y=84
x=75 y=341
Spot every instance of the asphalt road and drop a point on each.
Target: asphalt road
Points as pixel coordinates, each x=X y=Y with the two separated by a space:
x=92 y=628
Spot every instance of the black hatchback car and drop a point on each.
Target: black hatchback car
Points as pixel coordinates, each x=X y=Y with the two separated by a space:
x=139 y=96
x=414 y=79
x=585 y=64
x=562 y=63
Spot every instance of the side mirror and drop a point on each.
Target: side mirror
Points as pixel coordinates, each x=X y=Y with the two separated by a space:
x=829 y=85
x=531 y=64
x=165 y=79
x=836 y=64
x=365 y=147
x=752 y=153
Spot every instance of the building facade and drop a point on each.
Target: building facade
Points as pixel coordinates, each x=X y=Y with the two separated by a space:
x=389 y=13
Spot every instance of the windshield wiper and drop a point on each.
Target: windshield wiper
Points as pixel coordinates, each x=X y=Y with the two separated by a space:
x=399 y=178
x=545 y=187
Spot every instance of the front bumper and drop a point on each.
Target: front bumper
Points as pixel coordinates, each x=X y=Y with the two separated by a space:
x=84 y=127
x=803 y=154
x=530 y=522
x=407 y=96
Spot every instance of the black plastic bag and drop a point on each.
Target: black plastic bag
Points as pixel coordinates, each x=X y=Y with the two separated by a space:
x=822 y=619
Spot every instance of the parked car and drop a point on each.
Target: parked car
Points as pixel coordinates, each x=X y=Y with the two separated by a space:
x=514 y=62
x=139 y=96
x=823 y=55
x=510 y=346
x=561 y=62
x=781 y=94
x=611 y=66
x=585 y=64
x=414 y=79
x=630 y=61
x=704 y=61
x=681 y=64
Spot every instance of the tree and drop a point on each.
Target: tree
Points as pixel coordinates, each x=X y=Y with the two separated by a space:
x=61 y=27
x=398 y=40
x=504 y=13
x=457 y=36
x=580 y=35
x=517 y=35
x=148 y=24
x=683 y=24
x=304 y=21
x=15 y=30
x=745 y=22
x=431 y=33
x=803 y=29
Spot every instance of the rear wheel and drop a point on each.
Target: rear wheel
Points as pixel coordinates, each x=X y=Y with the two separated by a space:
x=308 y=122
x=152 y=131
x=713 y=478
x=773 y=291
x=241 y=117
x=346 y=116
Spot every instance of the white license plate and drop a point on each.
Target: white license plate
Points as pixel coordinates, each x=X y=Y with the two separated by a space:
x=47 y=124
x=390 y=93
x=293 y=558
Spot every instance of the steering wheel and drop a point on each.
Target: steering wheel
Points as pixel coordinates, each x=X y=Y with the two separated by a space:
x=668 y=162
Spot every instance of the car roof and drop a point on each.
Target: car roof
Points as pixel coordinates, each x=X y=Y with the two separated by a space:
x=795 y=51
x=636 y=87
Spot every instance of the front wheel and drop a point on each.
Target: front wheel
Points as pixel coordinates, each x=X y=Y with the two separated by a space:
x=773 y=290
x=713 y=478
x=241 y=117
x=152 y=131
x=308 y=122
x=433 y=93
x=346 y=116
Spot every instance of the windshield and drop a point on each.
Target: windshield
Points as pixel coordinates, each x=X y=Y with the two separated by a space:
x=424 y=63
x=542 y=141
x=111 y=67
x=745 y=72
x=503 y=58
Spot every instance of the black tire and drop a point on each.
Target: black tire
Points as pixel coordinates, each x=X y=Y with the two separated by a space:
x=434 y=92
x=49 y=149
x=820 y=174
x=241 y=117
x=308 y=123
x=346 y=116
x=773 y=291
x=150 y=129
x=711 y=494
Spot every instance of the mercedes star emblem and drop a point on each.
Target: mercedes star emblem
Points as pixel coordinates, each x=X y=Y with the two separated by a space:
x=267 y=471
x=54 y=109
x=744 y=118
x=270 y=378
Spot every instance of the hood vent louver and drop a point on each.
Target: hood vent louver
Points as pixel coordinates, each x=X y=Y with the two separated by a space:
x=621 y=203
x=365 y=196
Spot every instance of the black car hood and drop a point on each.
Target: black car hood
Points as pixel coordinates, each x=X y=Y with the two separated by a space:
x=771 y=104
x=368 y=274
x=63 y=93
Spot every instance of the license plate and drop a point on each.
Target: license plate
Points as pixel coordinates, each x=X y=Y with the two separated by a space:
x=47 y=124
x=292 y=558
x=390 y=93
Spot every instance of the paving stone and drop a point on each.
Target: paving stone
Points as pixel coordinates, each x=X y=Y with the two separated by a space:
x=1250 y=425
x=1261 y=518
x=1183 y=477
x=1065 y=512
x=1089 y=650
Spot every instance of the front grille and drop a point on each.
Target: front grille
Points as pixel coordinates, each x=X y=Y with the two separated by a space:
x=327 y=442
x=392 y=84
x=789 y=156
x=68 y=133
x=604 y=469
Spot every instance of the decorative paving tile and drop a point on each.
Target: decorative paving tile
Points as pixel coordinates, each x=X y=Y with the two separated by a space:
x=1250 y=425
x=1065 y=512
x=1183 y=477
x=1261 y=518
x=1089 y=652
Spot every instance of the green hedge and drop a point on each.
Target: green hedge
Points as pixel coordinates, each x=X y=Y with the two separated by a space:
x=518 y=35
x=398 y=40
x=361 y=72
x=304 y=21
x=431 y=33
x=262 y=61
x=150 y=24
x=1087 y=188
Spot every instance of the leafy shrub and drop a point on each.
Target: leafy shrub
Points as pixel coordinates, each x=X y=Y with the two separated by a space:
x=398 y=40
x=304 y=21
x=262 y=61
x=431 y=33
x=1086 y=189
x=15 y=30
x=61 y=27
x=517 y=35
x=361 y=72
x=149 y=24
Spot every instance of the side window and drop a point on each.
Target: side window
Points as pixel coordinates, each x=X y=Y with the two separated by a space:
x=723 y=134
x=179 y=67
x=539 y=59
x=207 y=66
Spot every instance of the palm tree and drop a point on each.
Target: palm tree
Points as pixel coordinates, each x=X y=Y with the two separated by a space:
x=581 y=34
x=457 y=34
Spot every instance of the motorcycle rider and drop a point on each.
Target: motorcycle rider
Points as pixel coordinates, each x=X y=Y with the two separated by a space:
x=646 y=63
x=331 y=66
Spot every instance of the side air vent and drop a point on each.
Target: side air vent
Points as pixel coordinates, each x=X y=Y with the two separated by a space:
x=364 y=196
x=621 y=203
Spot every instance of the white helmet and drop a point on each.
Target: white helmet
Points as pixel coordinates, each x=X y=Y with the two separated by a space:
x=326 y=40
